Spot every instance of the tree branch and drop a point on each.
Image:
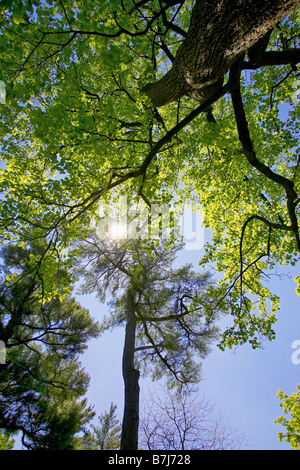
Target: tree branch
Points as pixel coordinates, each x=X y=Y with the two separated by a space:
x=275 y=58
x=95 y=195
x=249 y=152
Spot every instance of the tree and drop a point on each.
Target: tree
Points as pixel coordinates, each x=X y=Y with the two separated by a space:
x=290 y=420
x=184 y=421
x=106 y=436
x=202 y=60
x=42 y=383
x=158 y=305
x=84 y=82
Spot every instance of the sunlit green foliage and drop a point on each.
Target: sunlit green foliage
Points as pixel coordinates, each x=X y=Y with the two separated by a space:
x=290 y=420
x=76 y=125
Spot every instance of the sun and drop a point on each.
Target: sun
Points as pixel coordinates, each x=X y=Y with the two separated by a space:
x=117 y=230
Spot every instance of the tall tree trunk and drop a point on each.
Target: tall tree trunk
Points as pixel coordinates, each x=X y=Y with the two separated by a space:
x=130 y=425
x=220 y=32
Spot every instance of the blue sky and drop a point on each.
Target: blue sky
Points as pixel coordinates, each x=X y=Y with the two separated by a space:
x=242 y=383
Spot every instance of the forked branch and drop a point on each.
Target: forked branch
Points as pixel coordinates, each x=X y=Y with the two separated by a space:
x=250 y=154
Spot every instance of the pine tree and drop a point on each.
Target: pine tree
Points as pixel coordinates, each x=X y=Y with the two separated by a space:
x=167 y=314
x=42 y=383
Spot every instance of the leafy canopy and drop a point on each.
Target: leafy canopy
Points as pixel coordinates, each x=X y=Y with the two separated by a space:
x=76 y=126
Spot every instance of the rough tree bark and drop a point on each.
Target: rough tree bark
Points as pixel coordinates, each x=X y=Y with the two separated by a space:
x=220 y=32
x=130 y=424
